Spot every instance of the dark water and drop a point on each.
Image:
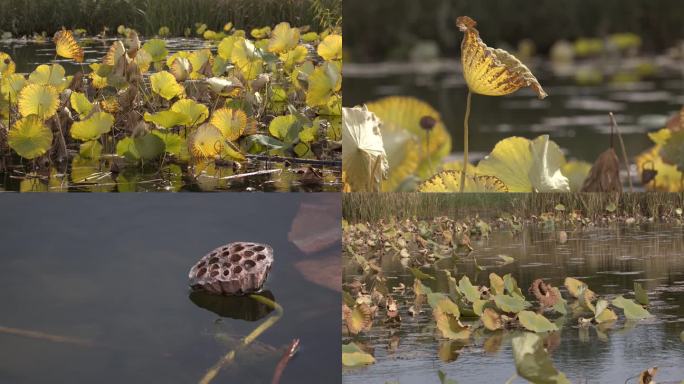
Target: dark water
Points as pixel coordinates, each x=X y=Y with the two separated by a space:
x=113 y=269
x=608 y=260
x=575 y=116
x=29 y=55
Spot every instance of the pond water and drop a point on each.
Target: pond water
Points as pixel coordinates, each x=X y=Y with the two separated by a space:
x=575 y=116
x=113 y=270
x=255 y=174
x=609 y=260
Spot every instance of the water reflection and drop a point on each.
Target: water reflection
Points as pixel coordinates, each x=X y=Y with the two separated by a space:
x=234 y=307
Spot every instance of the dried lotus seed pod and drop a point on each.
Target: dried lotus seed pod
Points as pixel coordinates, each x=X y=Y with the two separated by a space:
x=233 y=269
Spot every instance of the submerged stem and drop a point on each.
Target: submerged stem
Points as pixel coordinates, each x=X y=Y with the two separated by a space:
x=228 y=357
x=465 y=140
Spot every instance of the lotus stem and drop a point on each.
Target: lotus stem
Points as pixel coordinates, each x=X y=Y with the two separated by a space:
x=230 y=356
x=465 y=140
x=624 y=151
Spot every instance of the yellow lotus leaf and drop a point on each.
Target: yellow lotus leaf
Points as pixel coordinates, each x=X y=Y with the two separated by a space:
x=156 y=48
x=11 y=85
x=324 y=82
x=90 y=149
x=227 y=27
x=354 y=356
x=283 y=38
x=93 y=127
x=206 y=141
x=52 y=75
x=167 y=119
x=231 y=122
x=7 y=66
x=364 y=162
x=197 y=113
x=301 y=72
x=331 y=47
x=166 y=86
x=225 y=47
x=98 y=81
x=450 y=181
x=450 y=326
x=526 y=165
x=667 y=177
x=576 y=172
x=181 y=69
x=247 y=58
x=293 y=57
x=225 y=86
x=201 y=62
x=67 y=46
x=115 y=52
x=491 y=319
x=173 y=57
x=37 y=99
x=489 y=71
x=80 y=103
x=30 y=137
x=143 y=60
x=411 y=149
x=261 y=33
x=173 y=144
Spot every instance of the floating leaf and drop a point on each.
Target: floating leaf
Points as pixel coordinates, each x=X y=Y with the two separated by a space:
x=331 y=47
x=67 y=46
x=450 y=326
x=491 y=319
x=168 y=119
x=535 y=322
x=165 y=85
x=231 y=122
x=92 y=128
x=575 y=287
x=533 y=363
x=633 y=311
x=364 y=162
x=284 y=38
x=196 y=112
x=510 y=304
x=353 y=356
x=640 y=294
x=207 y=141
x=358 y=319
x=40 y=100
x=450 y=181
x=30 y=137
x=492 y=72
x=444 y=303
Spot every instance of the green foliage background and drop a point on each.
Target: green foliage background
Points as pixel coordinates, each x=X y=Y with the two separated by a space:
x=386 y=29
x=27 y=16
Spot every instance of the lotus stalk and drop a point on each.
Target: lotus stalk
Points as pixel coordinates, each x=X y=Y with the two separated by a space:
x=488 y=71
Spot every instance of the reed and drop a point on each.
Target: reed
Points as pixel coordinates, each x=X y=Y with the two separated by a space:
x=24 y=17
x=372 y=207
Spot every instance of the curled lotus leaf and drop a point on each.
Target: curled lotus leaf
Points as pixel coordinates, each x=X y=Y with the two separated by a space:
x=67 y=46
x=489 y=71
x=364 y=162
x=491 y=319
x=283 y=38
x=532 y=361
x=575 y=287
x=545 y=293
x=450 y=326
x=331 y=47
x=359 y=319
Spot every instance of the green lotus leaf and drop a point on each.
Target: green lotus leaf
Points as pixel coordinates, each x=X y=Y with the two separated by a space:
x=144 y=148
x=30 y=137
x=510 y=304
x=633 y=311
x=535 y=322
x=225 y=47
x=168 y=119
x=532 y=361
x=468 y=290
x=90 y=149
x=640 y=294
x=80 y=103
x=353 y=356
x=156 y=48
x=53 y=75
x=92 y=128
x=285 y=128
x=443 y=303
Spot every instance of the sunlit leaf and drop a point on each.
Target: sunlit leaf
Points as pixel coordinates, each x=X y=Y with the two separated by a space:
x=293 y=57
x=156 y=48
x=667 y=177
x=30 y=137
x=633 y=311
x=11 y=86
x=7 y=65
x=196 y=112
x=80 y=103
x=231 y=122
x=206 y=141
x=324 y=82
x=576 y=172
x=510 y=304
x=364 y=163
x=468 y=290
x=450 y=181
x=492 y=72
x=331 y=47
x=67 y=46
x=575 y=287
x=283 y=38
x=92 y=128
x=165 y=85
x=37 y=99
x=53 y=75
x=168 y=119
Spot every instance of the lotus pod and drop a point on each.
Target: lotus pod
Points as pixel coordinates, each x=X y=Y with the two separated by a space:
x=233 y=269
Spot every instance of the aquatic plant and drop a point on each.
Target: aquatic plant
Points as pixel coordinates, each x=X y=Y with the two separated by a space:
x=228 y=103
x=488 y=71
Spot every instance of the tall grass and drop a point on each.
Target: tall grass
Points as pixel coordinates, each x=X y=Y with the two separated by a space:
x=372 y=207
x=27 y=16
